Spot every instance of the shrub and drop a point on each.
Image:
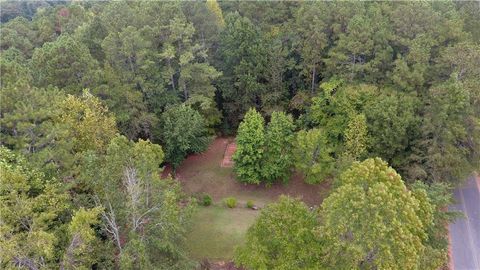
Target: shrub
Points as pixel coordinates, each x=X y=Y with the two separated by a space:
x=250 y=204
x=231 y=202
x=206 y=200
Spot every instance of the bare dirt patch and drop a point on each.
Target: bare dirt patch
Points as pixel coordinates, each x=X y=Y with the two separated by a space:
x=227 y=157
x=202 y=173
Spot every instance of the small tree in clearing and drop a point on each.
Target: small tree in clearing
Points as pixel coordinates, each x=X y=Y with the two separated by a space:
x=278 y=157
x=250 y=142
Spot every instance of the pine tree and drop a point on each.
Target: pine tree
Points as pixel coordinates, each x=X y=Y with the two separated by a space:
x=244 y=56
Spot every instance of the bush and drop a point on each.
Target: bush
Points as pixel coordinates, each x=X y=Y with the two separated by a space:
x=250 y=204
x=231 y=202
x=206 y=200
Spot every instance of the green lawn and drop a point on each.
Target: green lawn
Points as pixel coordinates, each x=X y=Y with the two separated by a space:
x=217 y=230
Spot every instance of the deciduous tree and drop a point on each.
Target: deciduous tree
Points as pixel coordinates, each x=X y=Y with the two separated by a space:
x=144 y=216
x=283 y=237
x=356 y=137
x=313 y=155
x=183 y=132
x=31 y=209
x=373 y=221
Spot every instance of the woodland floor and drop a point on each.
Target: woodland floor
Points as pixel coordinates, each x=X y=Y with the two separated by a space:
x=216 y=230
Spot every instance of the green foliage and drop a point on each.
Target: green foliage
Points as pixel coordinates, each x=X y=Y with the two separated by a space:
x=31 y=209
x=250 y=204
x=397 y=80
x=230 y=202
x=64 y=63
x=356 y=137
x=391 y=121
x=362 y=50
x=372 y=220
x=52 y=129
x=213 y=6
x=80 y=253
x=250 y=141
x=145 y=216
x=335 y=105
x=264 y=156
x=282 y=237
x=15 y=70
x=451 y=126
x=183 y=132
x=18 y=34
x=278 y=158
x=206 y=200
x=243 y=56
x=88 y=121
x=312 y=39
x=313 y=155
x=436 y=247
x=275 y=97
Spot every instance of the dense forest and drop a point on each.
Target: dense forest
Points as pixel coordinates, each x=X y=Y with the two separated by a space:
x=96 y=97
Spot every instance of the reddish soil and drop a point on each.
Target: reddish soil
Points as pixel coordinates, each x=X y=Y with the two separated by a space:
x=227 y=157
x=202 y=173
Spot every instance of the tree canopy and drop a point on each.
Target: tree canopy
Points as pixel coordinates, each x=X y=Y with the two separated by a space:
x=96 y=97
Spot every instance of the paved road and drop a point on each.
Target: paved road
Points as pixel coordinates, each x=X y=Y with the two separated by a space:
x=465 y=232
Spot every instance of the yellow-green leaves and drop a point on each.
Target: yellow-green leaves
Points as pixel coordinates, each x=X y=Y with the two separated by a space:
x=89 y=124
x=80 y=252
x=30 y=206
x=313 y=155
x=373 y=221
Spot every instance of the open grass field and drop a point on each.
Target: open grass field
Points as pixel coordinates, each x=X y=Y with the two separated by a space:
x=216 y=230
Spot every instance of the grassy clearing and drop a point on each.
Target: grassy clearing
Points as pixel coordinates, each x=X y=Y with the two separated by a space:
x=217 y=230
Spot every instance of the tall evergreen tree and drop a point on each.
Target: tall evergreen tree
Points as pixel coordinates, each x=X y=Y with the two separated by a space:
x=312 y=39
x=277 y=158
x=243 y=55
x=250 y=141
x=65 y=63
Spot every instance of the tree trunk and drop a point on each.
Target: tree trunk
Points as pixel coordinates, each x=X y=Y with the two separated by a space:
x=185 y=91
x=171 y=75
x=313 y=79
